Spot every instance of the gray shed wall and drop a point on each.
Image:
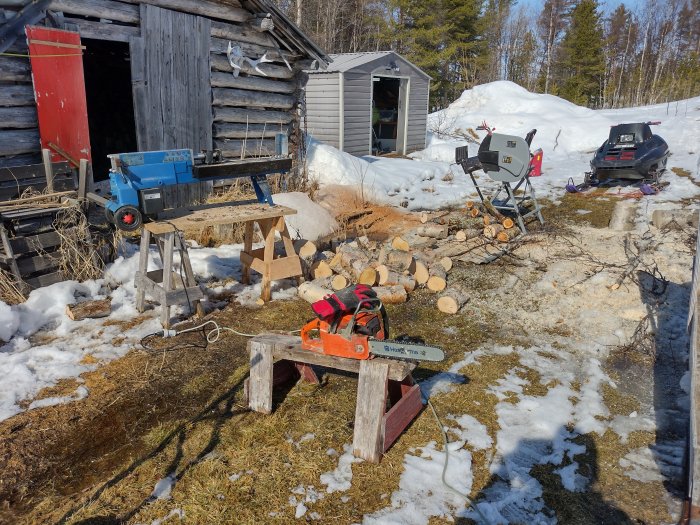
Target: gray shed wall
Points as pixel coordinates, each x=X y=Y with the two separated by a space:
x=323 y=103
x=323 y=107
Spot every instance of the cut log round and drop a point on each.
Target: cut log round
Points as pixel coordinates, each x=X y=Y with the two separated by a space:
x=367 y=276
x=446 y=263
x=388 y=277
x=391 y=294
x=437 y=280
x=507 y=235
x=452 y=300
x=492 y=230
x=338 y=282
x=508 y=223
x=433 y=230
x=461 y=235
x=469 y=204
x=321 y=269
x=474 y=212
x=398 y=243
x=311 y=291
x=400 y=261
x=421 y=273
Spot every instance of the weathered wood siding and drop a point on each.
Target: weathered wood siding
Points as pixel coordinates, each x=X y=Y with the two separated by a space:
x=170 y=73
x=323 y=107
x=268 y=96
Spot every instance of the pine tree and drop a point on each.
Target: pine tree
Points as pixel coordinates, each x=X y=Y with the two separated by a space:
x=582 y=61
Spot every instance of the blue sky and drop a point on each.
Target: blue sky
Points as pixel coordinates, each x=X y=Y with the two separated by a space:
x=607 y=5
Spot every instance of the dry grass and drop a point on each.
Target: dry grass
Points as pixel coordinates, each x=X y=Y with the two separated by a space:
x=181 y=410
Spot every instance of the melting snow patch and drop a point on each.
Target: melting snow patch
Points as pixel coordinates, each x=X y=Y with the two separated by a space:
x=471 y=431
x=179 y=513
x=164 y=487
x=80 y=393
x=339 y=480
x=421 y=493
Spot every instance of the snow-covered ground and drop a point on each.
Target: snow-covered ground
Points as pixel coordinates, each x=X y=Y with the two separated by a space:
x=43 y=346
x=568 y=135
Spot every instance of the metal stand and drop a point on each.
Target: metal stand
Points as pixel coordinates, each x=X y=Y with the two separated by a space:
x=513 y=204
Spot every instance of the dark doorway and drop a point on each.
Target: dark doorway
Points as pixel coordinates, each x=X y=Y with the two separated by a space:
x=110 y=104
x=386 y=115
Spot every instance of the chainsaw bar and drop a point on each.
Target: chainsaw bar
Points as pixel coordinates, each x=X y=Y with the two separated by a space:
x=401 y=350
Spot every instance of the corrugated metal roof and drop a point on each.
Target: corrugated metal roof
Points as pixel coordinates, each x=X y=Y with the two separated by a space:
x=343 y=62
x=348 y=61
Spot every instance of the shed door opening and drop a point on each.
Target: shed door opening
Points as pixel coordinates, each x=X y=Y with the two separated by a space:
x=110 y=105
x=388 y=115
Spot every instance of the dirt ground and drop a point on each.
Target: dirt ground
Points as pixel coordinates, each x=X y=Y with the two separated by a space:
x=176 y=407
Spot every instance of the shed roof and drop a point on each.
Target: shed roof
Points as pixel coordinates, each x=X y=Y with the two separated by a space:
x=346 y=61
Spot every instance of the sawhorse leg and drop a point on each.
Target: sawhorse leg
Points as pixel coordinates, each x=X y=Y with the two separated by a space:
x=247 y=247
x=168 y=248
x=189 y=273
x=143 y=269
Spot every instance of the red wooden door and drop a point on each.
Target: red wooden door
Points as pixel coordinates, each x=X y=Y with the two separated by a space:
x=59 y=89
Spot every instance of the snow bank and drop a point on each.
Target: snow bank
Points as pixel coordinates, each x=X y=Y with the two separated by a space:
x=311 y=221
x=567 y=133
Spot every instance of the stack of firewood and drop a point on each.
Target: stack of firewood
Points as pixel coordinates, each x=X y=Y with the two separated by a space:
x=421 y=258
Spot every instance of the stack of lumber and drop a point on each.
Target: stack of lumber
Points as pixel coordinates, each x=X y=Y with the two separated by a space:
x=422 y=258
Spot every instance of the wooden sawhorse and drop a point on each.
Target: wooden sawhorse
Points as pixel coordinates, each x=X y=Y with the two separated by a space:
x=376 y=428
x=270 y=219
x=166 y=286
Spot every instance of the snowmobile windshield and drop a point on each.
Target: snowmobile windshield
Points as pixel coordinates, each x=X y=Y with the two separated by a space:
x=629 y=134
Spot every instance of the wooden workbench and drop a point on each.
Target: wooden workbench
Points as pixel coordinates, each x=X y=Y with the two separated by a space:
x=169 y=288
x=375 y=427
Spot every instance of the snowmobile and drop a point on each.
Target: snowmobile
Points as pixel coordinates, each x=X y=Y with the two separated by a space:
x=631 y=152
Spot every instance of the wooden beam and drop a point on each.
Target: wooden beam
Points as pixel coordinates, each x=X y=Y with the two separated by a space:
x=246 y=98
x=14 y=69
x=48 y=169
x=17 y=95
x=254 y=83
x=253 y=147
x=16 y=142
x=222 y=10
x=108 y=9
x=21 y=117
x=240 y=33
x=253 y=51
x=220 y=63
x=102 y=31
x=250 y=116
x=251 y=131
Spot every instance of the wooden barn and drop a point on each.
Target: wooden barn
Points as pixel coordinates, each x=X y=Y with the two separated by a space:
x=369 y=103
x=111 y=76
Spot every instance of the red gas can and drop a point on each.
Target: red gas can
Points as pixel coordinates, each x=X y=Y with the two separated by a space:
x=536 y=163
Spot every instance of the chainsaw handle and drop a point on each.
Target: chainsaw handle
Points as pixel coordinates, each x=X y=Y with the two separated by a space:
x=306 y=339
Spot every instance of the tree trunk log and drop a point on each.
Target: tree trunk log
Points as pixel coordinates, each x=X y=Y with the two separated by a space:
x=452 y=300
x=446 y=263
x=338 y=282
x=387 y=277
x=400 y=261
x=321 y=269
x=508 y=223
x=391 y=294
x=492 y=230
x=435 y=231
x=251 y=116
x=244 y=97
x=421 y=272
x=437 y=280
x=507 y=235
x=312 y=291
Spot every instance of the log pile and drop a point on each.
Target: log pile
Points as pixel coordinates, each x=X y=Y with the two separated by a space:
x=422 y=258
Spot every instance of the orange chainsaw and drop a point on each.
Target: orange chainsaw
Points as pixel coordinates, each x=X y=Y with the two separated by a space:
x=360 y=333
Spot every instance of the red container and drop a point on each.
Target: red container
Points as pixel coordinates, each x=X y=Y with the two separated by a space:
x=536 y=163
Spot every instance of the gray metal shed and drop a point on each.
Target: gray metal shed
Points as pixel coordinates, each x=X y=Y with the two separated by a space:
x=366 y=103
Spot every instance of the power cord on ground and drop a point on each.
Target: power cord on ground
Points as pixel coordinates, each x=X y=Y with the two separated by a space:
x=445 y=442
